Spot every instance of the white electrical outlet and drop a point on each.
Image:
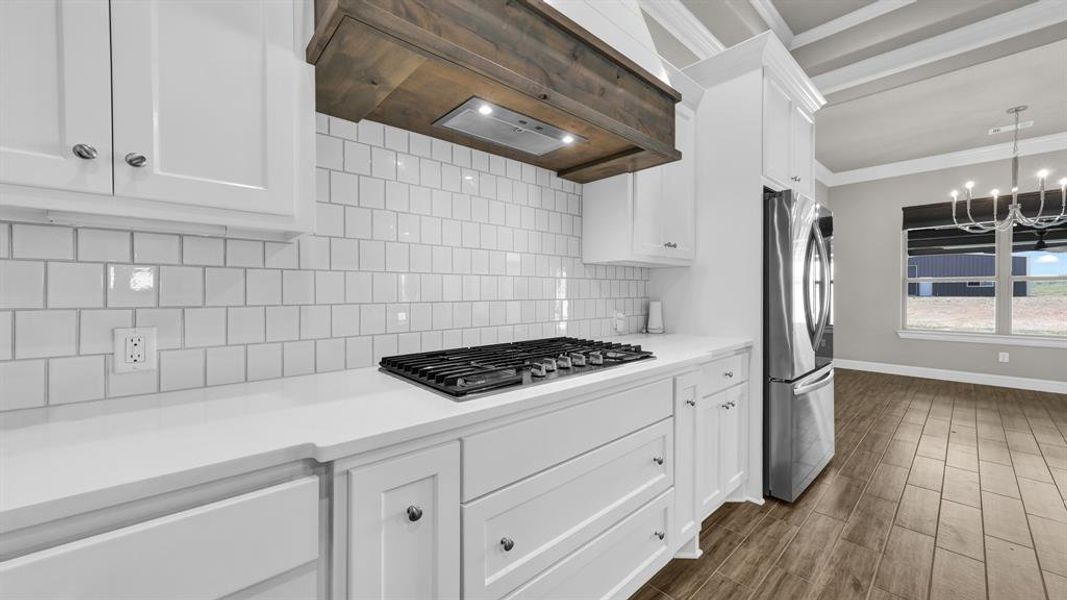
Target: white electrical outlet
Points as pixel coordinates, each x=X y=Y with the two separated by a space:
x=135 y=349
x=1003 y=357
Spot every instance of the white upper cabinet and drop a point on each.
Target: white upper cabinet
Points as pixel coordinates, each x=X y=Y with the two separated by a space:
x=211 y=119
x=202 y=112
x=788 y=139
x=55 y=94
x=645 y=218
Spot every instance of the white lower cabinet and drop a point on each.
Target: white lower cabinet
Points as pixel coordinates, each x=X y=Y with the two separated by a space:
x=402 y=538
x=615 y=564
x=711 y=441
x=264 y=544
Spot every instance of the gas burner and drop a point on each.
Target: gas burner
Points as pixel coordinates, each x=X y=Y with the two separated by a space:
x=462 y=372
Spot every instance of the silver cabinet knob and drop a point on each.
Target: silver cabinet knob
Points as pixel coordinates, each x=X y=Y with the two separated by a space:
x=659 y=534
x=725 y=405
x=84 y=151
x=670 y=244
x=658 y=460
x=136 y=160
x=507 y=543
x=414 y=513
x=728 y=374
x=691 y=402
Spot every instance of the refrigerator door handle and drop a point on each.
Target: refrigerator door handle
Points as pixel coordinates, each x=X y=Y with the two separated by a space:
x=821 y=378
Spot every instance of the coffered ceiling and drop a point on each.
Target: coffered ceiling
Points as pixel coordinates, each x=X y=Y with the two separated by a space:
x=904 y=79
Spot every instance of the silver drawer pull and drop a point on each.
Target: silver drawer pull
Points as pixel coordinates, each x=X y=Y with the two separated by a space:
x=670 y=244
x=691 y=402
x=507 y=543
x=728 y=374
x=658 y=460
x=84 y=151
x=659 y=534
x=136 y=160
x=414 y=513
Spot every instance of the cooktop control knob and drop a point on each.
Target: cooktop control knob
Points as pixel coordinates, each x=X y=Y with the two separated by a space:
x=537 y=369
x=577 y=360
x=550 y=364
x=596 y=357
x=563 y=362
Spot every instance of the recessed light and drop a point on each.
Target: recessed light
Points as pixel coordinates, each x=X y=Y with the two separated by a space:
x=568 y=138
x=485 y=109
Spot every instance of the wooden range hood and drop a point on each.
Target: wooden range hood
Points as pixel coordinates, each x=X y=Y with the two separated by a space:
x=408 y=63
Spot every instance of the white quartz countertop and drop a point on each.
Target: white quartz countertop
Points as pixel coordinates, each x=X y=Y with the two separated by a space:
x=75 y=459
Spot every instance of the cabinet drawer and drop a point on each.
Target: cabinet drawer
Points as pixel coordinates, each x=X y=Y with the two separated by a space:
x=495 y=458
x=613 y=565
x=723 y=373
x=551 y=514
x=207 y=552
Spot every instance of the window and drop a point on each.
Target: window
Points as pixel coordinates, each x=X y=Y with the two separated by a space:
x=1009 y=283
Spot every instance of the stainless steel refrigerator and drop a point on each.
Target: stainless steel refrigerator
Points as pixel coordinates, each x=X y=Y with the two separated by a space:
x=798 y=411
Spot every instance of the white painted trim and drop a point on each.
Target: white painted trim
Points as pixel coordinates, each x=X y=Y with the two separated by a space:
x=984 y=338
x=683 y=25
x=1015 y=23
x=826 y=176
x=847 y=21
x=1039 y=145
x=773 y=19
x=1008 y=381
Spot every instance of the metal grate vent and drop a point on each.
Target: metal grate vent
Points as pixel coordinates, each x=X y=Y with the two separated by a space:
x=498 y=125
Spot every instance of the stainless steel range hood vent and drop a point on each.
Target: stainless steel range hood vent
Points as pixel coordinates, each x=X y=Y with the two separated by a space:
x=498 y=125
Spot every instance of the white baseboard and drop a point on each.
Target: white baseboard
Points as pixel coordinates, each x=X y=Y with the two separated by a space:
x=1025 y=383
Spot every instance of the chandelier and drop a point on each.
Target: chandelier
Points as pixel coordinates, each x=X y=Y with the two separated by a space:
x=1015 y=214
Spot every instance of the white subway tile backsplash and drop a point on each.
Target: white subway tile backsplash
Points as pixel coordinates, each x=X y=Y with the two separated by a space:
x=205 y=327
x=298 y=358
x=22 y=384
x=244 y=253
x=75 y=379
x=166 y=321
x=202 y=251
x=264 y=361
x=181 y=286
x=41 y=241
x=224 y=287
x=225 y=365
x=42 y=333
x=181 y=369
x=75 y=285
x=103 y=245
x=96 y=336
x=421 y=245
x=283 y=323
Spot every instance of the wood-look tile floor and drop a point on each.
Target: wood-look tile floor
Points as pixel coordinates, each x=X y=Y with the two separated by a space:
x=937 y=490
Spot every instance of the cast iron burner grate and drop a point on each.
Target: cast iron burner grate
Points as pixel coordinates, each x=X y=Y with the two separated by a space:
x=460 y=372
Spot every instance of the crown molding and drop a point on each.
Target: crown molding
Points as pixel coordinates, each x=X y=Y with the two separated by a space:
x=1020 y=21
x=683 y=25
x=773 y=19
x=1027 y=147
x=758 y=52
x=847 y=21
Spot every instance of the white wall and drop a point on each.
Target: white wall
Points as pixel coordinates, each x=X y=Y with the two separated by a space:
x=421 y=244
x=867 y=238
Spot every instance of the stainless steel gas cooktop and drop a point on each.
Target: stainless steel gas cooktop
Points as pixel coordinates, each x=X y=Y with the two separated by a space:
x=461 y=372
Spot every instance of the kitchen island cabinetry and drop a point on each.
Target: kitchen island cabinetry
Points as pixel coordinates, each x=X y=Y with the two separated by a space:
x=582 y=487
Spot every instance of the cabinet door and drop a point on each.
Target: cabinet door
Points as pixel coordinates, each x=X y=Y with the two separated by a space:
x=708 y=462
x=732 y=406
x=777 y=123
x=55 y=93
x=206 y=93
x=648 y=212
x=677 y=196
x=803 y=155
x=403 y=527
x=686 y=519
